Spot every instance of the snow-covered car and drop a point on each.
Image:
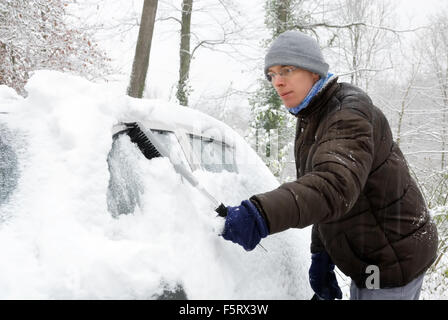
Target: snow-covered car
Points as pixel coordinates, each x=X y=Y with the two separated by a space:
x=84 y=215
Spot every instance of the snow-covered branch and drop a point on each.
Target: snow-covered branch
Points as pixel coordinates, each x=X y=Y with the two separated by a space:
x=355 y=24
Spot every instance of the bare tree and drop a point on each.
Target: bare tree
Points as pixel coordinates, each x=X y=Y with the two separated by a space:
x=365 y=49
x=221 y=32
x=35 y=35
x=436 y=40
x=185 y=56
x=432 y=87
x=143 y=49
x=406 y=99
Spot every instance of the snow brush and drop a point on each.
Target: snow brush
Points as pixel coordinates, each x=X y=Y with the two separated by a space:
x=152 y=148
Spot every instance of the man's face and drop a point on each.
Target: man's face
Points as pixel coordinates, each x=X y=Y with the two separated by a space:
x=292 y=86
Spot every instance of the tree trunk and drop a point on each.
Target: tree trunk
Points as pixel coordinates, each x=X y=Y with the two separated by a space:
x=185 y=55
x=283 y=9
x=142 y=50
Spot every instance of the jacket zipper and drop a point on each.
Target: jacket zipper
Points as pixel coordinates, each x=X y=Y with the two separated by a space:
x=300 y=129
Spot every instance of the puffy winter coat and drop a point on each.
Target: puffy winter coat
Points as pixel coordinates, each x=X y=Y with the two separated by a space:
x=353 y=185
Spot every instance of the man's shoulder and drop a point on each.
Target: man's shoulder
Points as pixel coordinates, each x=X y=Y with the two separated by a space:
x=348 y=93
x=352 y=100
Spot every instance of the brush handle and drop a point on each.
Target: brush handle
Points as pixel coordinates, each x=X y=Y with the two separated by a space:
x=221 y=210
x=151 y=147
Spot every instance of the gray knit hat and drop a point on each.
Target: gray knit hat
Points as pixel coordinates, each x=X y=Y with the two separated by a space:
x=294 y=48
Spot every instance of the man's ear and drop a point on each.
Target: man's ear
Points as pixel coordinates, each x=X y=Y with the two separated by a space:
x=316 y=77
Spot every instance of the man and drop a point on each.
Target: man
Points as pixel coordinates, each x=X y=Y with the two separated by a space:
x=353 y=185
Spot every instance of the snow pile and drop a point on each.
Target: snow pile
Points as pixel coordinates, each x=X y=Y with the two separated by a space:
x=59 y=240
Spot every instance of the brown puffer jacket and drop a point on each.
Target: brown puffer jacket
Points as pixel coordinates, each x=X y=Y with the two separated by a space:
x=353 y=185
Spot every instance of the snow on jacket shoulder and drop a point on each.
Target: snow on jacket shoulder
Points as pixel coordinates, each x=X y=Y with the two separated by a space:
x=353 y=185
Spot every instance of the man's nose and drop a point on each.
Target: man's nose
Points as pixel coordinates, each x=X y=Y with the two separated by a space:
x=278 y=81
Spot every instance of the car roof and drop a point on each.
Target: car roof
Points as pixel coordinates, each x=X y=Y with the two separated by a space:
x=163 y=115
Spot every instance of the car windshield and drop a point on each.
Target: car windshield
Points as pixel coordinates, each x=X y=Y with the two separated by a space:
x=215 y=156
x=171 y=143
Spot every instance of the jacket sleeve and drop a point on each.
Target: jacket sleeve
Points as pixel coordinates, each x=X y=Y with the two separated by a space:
x=316 y=242
x=339 y=169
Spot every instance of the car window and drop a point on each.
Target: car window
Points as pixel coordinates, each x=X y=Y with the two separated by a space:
x=8 y=165
x=125 y=184
x=214 y=155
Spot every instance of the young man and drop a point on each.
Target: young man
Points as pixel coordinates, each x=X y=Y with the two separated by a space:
x=353 y=185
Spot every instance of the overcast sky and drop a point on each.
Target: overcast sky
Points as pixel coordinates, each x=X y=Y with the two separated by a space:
x=418 y=9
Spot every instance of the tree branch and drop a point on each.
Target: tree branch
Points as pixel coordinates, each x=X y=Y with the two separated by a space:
x=354 y=24
x=364 y=70
x=169 y=18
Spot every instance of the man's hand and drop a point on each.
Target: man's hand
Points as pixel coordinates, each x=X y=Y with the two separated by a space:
x=322 y=277
x=245 y=225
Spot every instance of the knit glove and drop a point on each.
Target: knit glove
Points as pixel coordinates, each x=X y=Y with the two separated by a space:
x=322 y=277
x=245 y=225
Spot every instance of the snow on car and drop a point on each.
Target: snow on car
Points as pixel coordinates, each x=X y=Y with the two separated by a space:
x=84 y=215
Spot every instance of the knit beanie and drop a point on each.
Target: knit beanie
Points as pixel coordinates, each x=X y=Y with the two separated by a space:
x=294 y=48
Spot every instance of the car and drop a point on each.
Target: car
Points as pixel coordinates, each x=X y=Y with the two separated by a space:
x=85 y=215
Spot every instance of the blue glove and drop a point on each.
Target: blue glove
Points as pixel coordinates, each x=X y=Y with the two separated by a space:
x=245 y=225
x=322 y=277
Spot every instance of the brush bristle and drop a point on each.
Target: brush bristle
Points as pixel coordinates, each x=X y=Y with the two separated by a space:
x=141 y=140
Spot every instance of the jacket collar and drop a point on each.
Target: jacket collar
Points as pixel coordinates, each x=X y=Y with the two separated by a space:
x=321 y=98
